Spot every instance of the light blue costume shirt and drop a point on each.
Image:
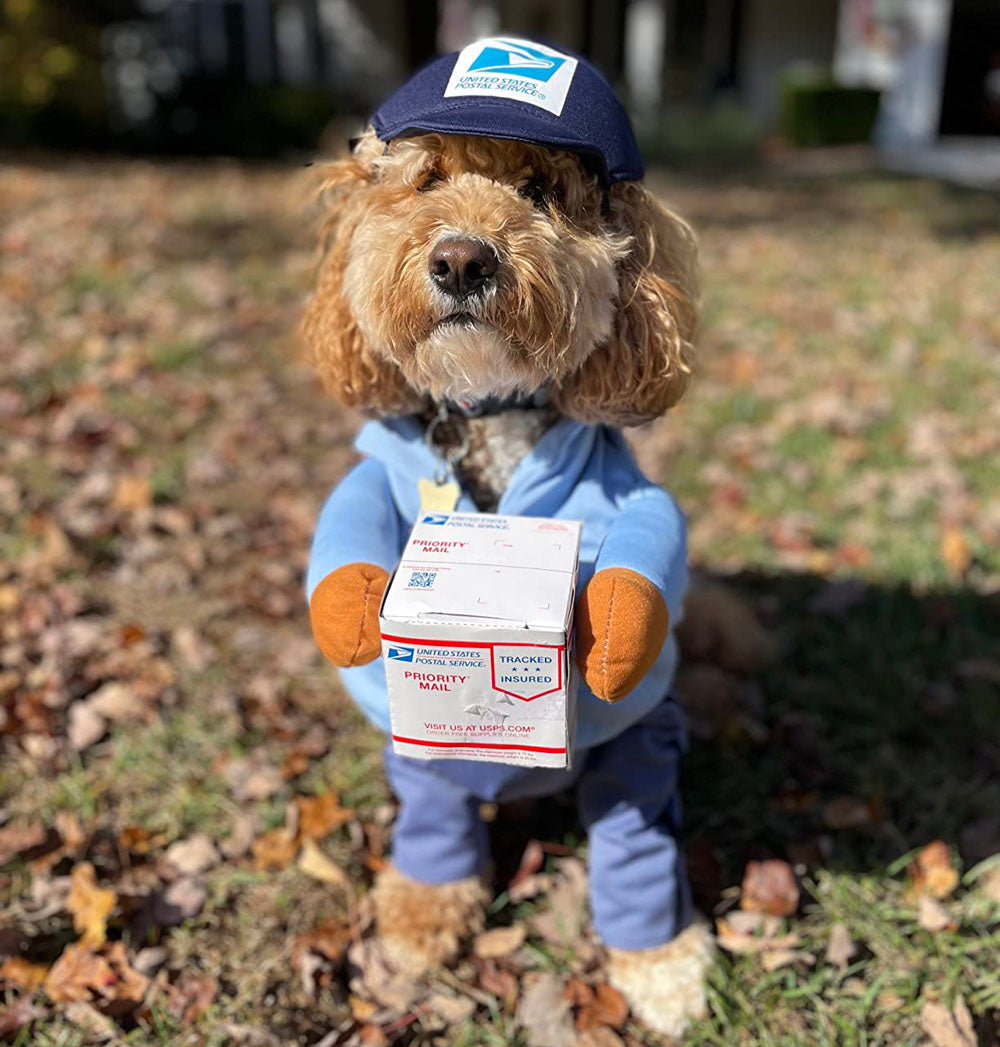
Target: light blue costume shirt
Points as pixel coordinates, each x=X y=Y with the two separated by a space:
x=574 y=472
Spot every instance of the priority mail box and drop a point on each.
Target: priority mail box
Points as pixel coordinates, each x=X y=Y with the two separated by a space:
x=476 y=627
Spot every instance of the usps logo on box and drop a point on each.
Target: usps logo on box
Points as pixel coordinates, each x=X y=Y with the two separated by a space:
x=400 y=654
x=505 y=67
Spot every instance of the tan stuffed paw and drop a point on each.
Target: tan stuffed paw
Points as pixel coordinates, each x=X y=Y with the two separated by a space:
x=665 y=987
x=423 y=925
x=343 y=613
x=621 y=624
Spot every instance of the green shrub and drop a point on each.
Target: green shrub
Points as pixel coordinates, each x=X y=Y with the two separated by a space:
x=816 y=110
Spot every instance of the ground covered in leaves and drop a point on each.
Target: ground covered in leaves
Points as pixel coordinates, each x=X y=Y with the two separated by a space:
x=191 y=811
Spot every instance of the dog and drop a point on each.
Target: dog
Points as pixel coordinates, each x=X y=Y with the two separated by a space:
x=499 y=293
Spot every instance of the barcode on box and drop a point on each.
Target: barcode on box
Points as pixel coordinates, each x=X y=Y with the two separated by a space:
x=422 y=579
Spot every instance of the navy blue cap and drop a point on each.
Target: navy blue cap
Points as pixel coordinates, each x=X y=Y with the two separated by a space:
x=505 y=87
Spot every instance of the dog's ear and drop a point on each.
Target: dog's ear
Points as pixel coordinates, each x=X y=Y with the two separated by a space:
x=346 y=364
x=645 y=365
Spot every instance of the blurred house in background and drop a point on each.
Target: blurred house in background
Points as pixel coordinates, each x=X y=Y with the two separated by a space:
x=256 y=77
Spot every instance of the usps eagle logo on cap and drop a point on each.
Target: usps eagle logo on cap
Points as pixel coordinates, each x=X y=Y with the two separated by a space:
x=518 y=70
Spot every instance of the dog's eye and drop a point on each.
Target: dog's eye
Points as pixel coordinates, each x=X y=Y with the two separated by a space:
x=430 y=179
x=538 y=191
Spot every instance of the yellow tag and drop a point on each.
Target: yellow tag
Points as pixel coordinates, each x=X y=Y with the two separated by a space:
x=437 y=498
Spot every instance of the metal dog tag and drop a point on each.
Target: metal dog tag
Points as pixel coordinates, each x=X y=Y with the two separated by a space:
x=437 y=497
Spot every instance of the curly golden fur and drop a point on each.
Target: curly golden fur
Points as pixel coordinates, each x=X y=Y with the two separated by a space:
x=598 y=305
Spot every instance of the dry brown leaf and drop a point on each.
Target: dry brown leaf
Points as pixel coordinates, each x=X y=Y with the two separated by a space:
x=89 y=905
x=840 y=947
x=600 y=1037
x=606 y=1006
x=321 y=815
x=275 y=850
x=85 y=725
x=452 y=1010
x=770 y=887
x=193 y=855
x=181 y=900
x=948 y=1028
x=23 y=974
x=103 y=977
x=133 y=493
x=931 y=872
x=500 y=941
x=140 y=840
x=933 y=916
x=191 y=997
x=117 y=702
x=544 y=1012
x=740 y=942
x=777 y=958
x=316 y=956
x=320 y=866
x=240 y=840
x=19 y=1014
x=499 y=982
x=98 y=1027
x=847 y=812
x=955 y=552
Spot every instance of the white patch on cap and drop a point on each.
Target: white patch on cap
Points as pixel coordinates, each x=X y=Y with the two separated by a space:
x=505 y=67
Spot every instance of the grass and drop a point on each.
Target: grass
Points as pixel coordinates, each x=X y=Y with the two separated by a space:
x=844 y=424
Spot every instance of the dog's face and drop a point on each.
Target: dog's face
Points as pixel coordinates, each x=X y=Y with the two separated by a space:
x=460 y=267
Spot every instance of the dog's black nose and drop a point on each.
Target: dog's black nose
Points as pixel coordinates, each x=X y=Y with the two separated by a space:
x=462 y=266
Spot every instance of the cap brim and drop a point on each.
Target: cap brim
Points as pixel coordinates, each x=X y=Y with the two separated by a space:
x=524 y=126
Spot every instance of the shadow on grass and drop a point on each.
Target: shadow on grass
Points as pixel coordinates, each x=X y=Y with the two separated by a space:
x=885 y=702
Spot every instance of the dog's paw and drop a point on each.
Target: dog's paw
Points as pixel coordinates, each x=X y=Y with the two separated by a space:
x=422 y=925
x=665 y=987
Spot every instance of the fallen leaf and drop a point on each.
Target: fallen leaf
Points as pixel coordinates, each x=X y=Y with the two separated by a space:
x=320 y=866
x=17 y=1016
x=933 y=916
x=321 y=815
x=532 y=860
x=774 y=959
x=770 y=887
x=103 y=977
x=20 y=840
x=600 y=1037
x=274 y=850
x=544 y=1012
x=85 y=726
x=948 y=1028
x=117 y=702
x=606 y=1006
x=23 y=974
x=133 y=493
x=738 y=942
x=931 y=872
x=452 y=1010
x=840 y=947
x=193 y=855
x=249 y=1036
x=140 y=839
x=500 y=941
x=181 y=900
x=192 y=651
x=955 y=552
x=89 y=905
x=191 y=997
x=499 y=982
x=317 y=956
x=97 y=1026
x=563 y=920
x=240 y=840
x=847 y=812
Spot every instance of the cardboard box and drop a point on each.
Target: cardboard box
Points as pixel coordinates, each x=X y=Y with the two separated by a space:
x=476 y=629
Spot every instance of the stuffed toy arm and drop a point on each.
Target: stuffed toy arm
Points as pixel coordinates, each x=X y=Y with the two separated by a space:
x=356 y=545
x=624 y=613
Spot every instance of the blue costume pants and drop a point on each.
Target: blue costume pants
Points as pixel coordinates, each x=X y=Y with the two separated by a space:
x=628 y=802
